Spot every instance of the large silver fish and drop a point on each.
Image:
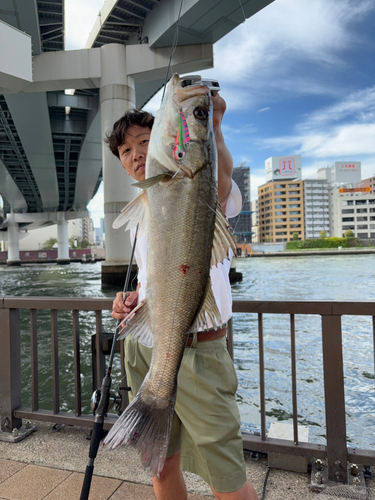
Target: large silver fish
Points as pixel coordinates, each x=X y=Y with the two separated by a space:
x=187 y=233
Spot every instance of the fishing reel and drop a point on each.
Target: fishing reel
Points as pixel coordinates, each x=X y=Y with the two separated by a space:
x=115 y=401
x=192 y=80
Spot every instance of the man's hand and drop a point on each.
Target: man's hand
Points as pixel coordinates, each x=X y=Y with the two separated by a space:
x=121 y=309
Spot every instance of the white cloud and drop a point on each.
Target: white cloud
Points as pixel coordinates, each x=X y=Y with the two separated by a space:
x=80 y=16
x=288 y=48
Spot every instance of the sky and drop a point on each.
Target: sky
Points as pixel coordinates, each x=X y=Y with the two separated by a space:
x=298 y=78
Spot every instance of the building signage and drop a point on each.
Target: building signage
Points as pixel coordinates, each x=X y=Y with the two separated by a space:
x=348 y=171
x=283 y=167
x=355 y=190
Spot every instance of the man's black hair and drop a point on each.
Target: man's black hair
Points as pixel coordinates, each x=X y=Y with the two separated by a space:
x=133 y=116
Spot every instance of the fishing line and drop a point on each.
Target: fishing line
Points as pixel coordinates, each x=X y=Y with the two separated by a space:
x=174 y=45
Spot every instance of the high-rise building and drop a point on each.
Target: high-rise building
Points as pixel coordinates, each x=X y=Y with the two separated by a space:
x=241 y=224
x=280 y=211
x=316 y=207
x=353 y=209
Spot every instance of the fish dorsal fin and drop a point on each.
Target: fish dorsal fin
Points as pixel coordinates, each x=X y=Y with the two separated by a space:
x=209 y=316
x=137 y=325
x=151 y=181
x=133 y=213
x=222 y=240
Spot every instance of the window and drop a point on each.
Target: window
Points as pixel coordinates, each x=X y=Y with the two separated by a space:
x=280 y=213
x=360 y=202
x=372 y=217
x=363 y=226
x=372 y=202
x=347 y=227
x=372 y=209
x=294 y=219
x=266 y=189
x=348 y=219
x=295 y=212
x=280 y=199
x=294 y=199
x=361 y=219
x=295 y=206
x=349 y=210
x=280 y=220
x=280 y=226
x=279 y=192
x=281 y=233
x=362 y=236
x=279 y=206
x=279 y=186
x=361 y=210
x=294 y=192
x=295 y=225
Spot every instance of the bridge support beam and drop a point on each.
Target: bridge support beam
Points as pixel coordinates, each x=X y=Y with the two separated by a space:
x=117 y=94
x=62 y=239
x=13 y=242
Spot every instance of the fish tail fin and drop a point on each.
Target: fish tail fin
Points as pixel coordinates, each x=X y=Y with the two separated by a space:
x=146 y=426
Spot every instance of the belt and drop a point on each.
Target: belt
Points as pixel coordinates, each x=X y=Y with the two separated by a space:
x=206 y=336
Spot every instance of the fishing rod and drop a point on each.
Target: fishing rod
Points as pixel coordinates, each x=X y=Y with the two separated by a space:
x=103 y=399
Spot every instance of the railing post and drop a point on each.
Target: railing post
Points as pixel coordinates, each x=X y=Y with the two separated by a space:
x=334 y=399
x=10 y=368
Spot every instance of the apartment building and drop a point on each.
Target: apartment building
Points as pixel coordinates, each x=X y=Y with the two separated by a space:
x=254 y=221
x=241 y=224
x=370 y=183
x=280 y=211
x=316 y=207
x=352 y=209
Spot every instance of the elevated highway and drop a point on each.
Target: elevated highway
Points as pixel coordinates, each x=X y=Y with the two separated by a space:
x=51 y=156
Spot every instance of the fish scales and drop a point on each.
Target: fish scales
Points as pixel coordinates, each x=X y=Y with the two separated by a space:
x=179 y=210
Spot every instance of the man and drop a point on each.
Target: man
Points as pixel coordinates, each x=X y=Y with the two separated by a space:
x=205 y=436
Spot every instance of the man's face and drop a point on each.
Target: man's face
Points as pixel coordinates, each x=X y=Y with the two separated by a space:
x=133 y=151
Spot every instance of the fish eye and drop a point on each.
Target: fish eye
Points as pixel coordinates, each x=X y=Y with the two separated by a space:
x=201 y=114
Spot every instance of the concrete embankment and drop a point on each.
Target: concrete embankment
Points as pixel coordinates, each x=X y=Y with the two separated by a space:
x=320 y=252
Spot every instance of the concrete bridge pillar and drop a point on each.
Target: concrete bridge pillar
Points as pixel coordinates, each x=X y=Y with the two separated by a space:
x=62 y=239
x=13 y=242
x=117 y=94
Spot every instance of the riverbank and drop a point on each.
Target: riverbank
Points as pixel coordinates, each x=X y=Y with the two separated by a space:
x=318 y=251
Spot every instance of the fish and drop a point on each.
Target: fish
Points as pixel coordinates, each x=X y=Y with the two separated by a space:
x=187 y=233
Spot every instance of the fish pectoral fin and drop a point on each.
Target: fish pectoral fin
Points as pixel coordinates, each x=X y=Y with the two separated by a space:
x=133 y=213
x=137 y=325
x=222 y=240
x=209 y=310
x=151 y=181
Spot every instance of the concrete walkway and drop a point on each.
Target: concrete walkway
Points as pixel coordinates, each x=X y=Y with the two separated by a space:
x=49 y=465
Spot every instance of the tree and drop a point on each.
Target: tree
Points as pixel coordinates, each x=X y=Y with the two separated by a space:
x=268 y=239
x=295 y=236
x=323 y=234
x=349 y=233
x=49 y=244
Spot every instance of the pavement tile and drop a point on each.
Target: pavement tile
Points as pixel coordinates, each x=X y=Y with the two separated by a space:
x=32 y=483
x=101 y=488
x=133 y=491
x=8 y=468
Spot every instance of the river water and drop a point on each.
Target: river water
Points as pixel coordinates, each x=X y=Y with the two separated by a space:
x=319 y=278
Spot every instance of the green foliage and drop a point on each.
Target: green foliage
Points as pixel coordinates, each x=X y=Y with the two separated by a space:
x=332 y=242
x=295 y=236
x=49 y=244
x=268 y=239
x=323 y=234
x=349 y=233
x=78 y=242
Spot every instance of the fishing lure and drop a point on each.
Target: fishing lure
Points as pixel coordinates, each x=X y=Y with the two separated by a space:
x=183 y=137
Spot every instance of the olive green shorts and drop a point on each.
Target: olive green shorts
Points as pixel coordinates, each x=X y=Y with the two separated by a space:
x=206 y=422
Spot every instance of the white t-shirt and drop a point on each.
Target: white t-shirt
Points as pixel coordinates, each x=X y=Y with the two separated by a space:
x=219 y=274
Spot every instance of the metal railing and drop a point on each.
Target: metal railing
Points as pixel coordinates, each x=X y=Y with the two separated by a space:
x=336 y=452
